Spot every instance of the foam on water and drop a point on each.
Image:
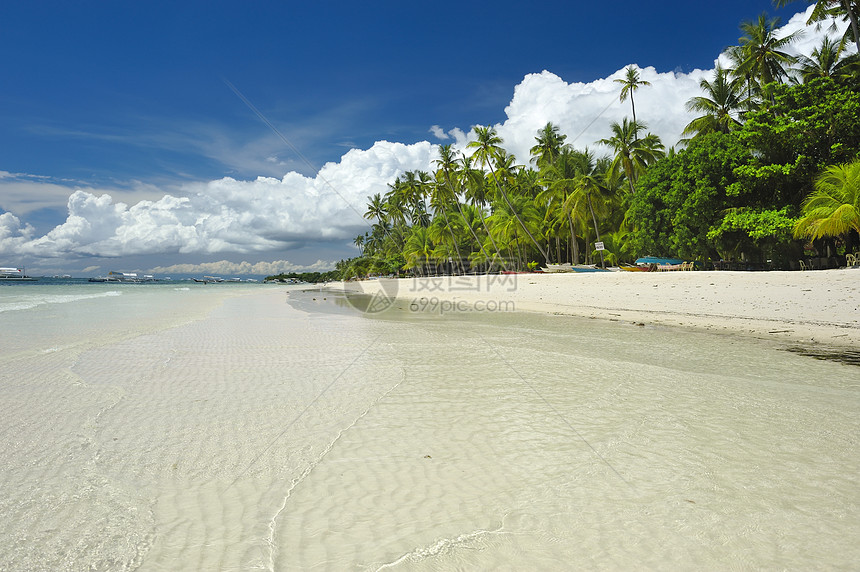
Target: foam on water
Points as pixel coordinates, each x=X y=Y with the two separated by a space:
x=221 y=432
x=30 y=298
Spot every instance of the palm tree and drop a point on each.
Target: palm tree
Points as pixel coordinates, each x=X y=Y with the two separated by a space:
x=506 y=224
x=826 y=61
x=376 y=208
x=723 y=97
x=824 y=9
x=833 y=208
x=487 y=148
x=759 y=58
x=549 y=143
x=589 y=183
x=476 y=193
x=418 y=249
x=629 y=84
x=560 y=180
x=632 y=154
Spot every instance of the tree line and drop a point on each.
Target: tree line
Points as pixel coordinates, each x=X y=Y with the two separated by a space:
x=769 y=172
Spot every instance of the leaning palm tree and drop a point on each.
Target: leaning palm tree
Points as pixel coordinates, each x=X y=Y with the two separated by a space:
x=487 y=149
x=833 y=208
x=723 y=98
x=376 y=208
x=826 y=9
x=629 y=84
x=632 y=154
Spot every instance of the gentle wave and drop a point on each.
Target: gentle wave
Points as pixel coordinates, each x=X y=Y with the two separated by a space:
x=33 y=301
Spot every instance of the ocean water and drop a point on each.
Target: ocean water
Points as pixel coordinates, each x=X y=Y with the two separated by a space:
x=171 y=427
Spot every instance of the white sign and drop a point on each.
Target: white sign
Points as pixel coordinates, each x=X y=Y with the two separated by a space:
x=598 y=246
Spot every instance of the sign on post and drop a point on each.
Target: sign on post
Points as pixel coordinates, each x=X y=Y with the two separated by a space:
x=598 y=246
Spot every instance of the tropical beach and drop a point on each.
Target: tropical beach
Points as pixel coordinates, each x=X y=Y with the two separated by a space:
x=392 y=310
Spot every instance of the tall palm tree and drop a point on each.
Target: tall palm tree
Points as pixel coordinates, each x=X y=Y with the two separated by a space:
x=824 y=9
x=487 y=149
x=833 y=208
x=760 y=59
x=632 y=154
x=446 y=171
x=723 y=98
x=589 y=184
x=476 y=193
x=629 y=84
x=560 y=180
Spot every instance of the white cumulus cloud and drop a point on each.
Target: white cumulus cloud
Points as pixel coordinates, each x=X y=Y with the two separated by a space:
x=225 y=215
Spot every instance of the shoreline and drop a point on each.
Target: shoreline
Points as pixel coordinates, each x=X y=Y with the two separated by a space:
x=816 y=307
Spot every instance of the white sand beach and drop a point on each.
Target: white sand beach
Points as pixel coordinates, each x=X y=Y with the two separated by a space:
x=819 y=307
x=271 y=428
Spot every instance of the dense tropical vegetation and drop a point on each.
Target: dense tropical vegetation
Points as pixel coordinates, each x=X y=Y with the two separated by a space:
x=768 y=172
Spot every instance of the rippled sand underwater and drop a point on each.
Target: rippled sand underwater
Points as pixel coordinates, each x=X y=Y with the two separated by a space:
x=261 y=431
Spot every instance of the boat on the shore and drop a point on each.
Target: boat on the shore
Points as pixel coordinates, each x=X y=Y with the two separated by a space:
x=633 y=268
x=658 y=264
x=568 y=267
x=15 y=275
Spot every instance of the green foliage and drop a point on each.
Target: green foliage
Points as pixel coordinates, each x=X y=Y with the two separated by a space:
x=735 y=194
x=807 y=128
x=755 y=232
x=682 y=197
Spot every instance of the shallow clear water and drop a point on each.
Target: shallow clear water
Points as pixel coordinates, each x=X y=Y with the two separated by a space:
x=208 y=429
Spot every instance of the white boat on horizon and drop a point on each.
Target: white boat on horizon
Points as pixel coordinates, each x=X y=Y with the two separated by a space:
x=15 y=275
x=126 y=278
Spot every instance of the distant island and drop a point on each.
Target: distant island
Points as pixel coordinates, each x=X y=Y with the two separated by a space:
x=311 y=277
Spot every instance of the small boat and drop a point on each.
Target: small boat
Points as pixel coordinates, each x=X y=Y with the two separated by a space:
x=568 y=267
x=554 y=268
x=15 y=275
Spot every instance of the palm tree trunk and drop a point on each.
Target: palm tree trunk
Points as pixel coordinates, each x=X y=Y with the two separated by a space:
x=574 y=246
x=855 y=27
x=490 y=235
x=596 y=232
x=453 y=237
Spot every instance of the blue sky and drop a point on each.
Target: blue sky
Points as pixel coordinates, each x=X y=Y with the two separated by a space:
x=129 y=99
